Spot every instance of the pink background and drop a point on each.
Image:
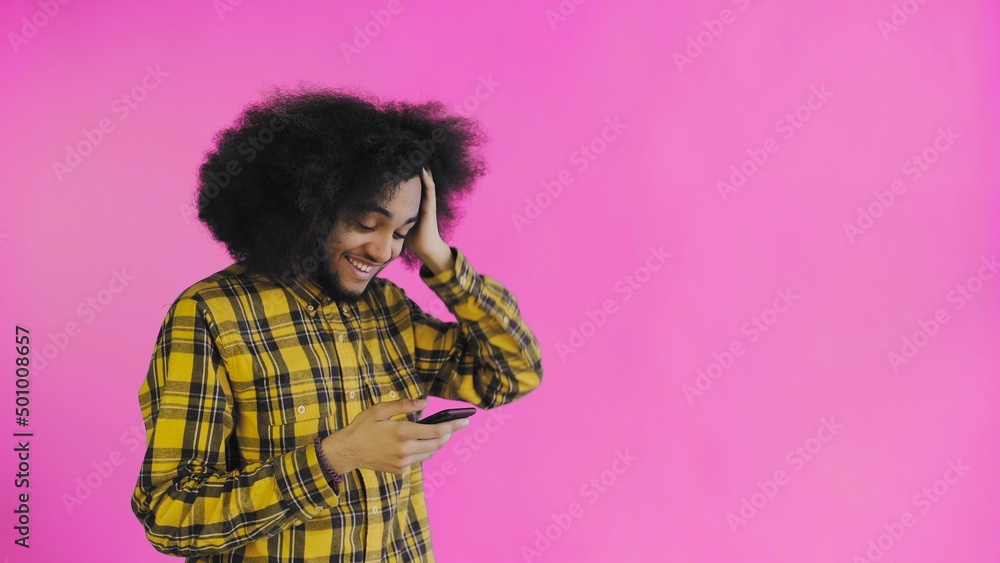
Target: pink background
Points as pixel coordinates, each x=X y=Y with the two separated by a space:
x=742 y=469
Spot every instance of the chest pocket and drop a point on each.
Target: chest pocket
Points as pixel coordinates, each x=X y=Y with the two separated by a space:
x=283 y=386
x=298 y=406
x=280 y=400
x=297 y=395
x=393 y=382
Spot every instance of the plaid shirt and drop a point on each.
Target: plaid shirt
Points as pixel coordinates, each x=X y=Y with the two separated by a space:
x=247 y=371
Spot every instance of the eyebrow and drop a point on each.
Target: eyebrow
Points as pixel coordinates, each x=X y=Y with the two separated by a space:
x=381 y=210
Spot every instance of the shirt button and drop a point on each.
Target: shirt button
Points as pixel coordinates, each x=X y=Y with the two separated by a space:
x=506 y=319
x=392 y=394
x=311 y=308
x=302 y=409
x=351 y=394
x=374 y=510
x=340 y=338
x=346 y=309
x=461 y=278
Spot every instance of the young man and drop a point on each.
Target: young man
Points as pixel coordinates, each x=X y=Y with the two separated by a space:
x=283 y=391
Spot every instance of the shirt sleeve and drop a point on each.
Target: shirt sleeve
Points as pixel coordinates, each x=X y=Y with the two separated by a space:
x=194 y=496
x=488 y=357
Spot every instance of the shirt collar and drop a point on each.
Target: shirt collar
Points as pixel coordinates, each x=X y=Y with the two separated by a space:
x=309 y=292
x=304 y=288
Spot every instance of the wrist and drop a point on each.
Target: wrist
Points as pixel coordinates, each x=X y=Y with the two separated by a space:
x=439 y=259
x=331 y=475
x=333 y=452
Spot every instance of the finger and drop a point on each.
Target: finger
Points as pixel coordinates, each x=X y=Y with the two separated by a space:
x=459 y=424
x=428 y=203
x=428 y=180
x=388 y=409
x=423 y=447
x=416 y=431
x=424 y=457
x=412 y=460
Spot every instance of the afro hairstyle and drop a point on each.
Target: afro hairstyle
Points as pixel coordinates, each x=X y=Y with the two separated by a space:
x=294 y=163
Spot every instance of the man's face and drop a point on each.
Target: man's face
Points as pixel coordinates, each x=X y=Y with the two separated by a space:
x=368 y=241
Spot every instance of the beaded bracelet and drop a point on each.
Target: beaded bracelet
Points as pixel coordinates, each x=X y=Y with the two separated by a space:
x=337 y=477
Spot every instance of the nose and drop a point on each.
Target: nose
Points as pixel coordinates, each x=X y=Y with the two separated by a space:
x=380 y=249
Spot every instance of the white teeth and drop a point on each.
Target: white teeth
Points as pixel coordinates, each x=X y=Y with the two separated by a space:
x=361 y=267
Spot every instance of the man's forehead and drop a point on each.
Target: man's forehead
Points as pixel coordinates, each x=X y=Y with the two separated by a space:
x=374 y=208
x=403 y=199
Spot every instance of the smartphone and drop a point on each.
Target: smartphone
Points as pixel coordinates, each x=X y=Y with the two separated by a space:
x=446 y=415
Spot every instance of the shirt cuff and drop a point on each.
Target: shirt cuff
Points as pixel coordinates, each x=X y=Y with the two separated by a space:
x=455 y=285
x=304 y=484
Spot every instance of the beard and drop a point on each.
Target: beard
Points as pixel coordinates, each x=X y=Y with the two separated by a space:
x=330 y=282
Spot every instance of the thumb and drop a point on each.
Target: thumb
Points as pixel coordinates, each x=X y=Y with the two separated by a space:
x=389 y=409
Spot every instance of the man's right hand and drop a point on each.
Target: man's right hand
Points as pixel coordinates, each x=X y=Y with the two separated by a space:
x=373 y=441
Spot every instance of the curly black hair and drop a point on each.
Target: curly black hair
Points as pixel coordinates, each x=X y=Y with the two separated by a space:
x=276 y=181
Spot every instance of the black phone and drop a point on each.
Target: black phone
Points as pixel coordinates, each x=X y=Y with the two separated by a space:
x=447 y=414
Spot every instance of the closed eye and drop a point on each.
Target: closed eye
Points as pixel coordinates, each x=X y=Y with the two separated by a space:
x=368 y=229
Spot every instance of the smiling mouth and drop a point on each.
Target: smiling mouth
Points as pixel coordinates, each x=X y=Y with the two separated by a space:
x=363 y=270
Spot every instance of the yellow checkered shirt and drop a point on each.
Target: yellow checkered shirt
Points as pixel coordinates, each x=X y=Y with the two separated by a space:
x=247 y=371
